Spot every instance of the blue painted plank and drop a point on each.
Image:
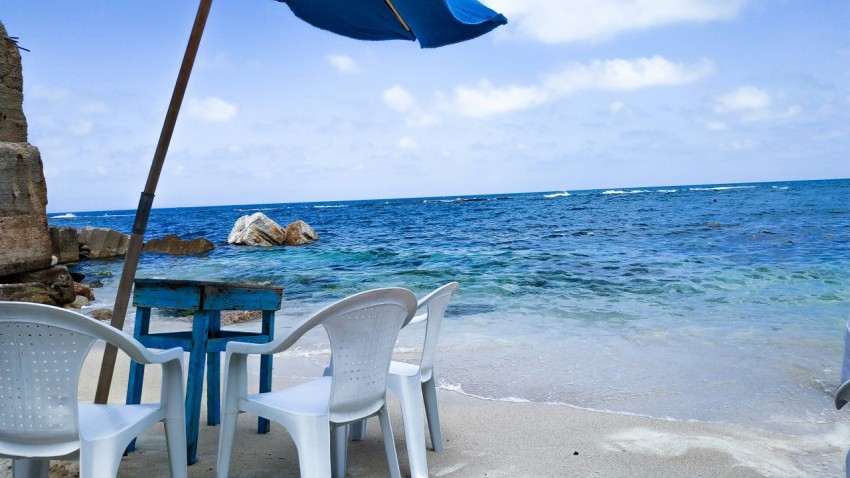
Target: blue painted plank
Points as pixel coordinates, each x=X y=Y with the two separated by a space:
x=205 y=295
x=241 y=298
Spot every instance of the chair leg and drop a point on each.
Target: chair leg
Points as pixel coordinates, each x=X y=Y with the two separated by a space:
x=358 y=430
x=429 y=395
x=225 y=443
x=389 y=442
x=409 y=395
x=100 y=459
x=339 y=450
x=175 y=443
x=847 y=465
x=30 y=467
x=312 y=437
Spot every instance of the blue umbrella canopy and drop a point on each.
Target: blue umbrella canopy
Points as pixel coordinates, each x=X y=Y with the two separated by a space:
x=434 y=23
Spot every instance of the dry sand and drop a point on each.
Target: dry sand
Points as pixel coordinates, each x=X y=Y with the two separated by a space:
x=507 y=439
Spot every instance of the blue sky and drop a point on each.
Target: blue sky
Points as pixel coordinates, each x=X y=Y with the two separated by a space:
x=569 y=95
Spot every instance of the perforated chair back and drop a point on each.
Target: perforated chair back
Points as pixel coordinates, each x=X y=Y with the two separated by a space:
x=40 y=366
x=363 y=329
x=435 y=304
x=42 y=351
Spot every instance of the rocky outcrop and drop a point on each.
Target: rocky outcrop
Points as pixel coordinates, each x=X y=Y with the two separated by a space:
x=13 y=124
x=56 y=282
x=26 y=292
x=24 y=237
x=172 y=244
x=99 y=243
x=300 y=233
x=28 y=270
x=256 y=230
x=64 y=242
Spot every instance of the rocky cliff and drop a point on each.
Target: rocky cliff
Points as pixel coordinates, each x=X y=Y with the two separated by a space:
x=24 y=234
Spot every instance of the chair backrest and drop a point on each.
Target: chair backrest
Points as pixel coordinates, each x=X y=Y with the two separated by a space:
x=435 y=303
x=363 y=329
x=42 y=351
x=40 y=364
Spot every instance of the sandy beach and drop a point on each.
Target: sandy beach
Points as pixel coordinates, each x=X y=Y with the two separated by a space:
x=485 y=438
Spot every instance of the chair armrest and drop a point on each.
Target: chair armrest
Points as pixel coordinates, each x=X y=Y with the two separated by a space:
x=247 y=348
x=278 y=345
x=418 y=318
x=135 y=350
x=163 y=356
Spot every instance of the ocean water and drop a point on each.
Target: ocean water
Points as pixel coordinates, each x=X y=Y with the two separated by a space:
x=721 y=303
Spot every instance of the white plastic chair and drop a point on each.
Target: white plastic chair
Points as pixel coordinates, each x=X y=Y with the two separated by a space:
x=362 y=330
x=42 y=351
x=415 y=385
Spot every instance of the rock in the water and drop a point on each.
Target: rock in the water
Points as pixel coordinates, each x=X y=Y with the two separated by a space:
x=26 y=292
x=256 y=230
x=57 y=280
x=172 y=244
x=102 y=314
x=84 y=291
x=98 y=243
x=65 y=244
x=299 y=233
x=79 y=303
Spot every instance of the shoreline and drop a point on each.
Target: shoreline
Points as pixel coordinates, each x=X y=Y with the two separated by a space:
x=495 y=438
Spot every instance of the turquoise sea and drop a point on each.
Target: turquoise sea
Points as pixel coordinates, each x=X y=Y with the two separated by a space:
x=720 y=303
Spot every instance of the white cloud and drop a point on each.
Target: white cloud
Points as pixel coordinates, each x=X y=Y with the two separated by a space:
x=343 y=63
x=716 y=126
x=486 y=100
x=616 y=107
x=557 y=21
x=611 y=75
x=741 y=99
x=399 y=99
x=212 y=109
x=752 y=104
x=407 y=143
x=626 y=75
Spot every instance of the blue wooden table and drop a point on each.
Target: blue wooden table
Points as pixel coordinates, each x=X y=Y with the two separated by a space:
x=204 y=342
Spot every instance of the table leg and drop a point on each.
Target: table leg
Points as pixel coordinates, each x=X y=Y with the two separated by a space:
x=195 y=382
x=214 y=372
x=137 y=370
x=263 y=425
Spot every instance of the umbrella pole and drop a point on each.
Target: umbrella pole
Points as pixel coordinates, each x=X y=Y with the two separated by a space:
x=134 y=249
